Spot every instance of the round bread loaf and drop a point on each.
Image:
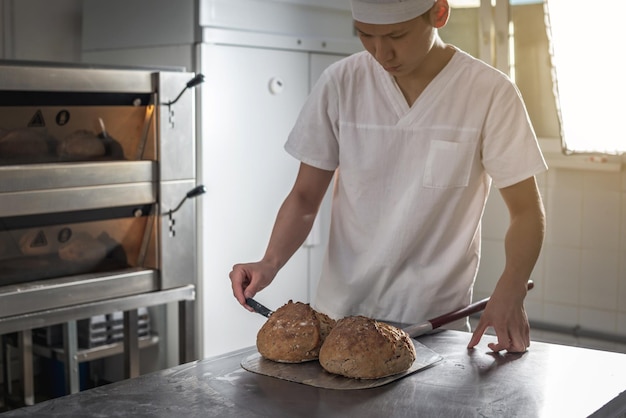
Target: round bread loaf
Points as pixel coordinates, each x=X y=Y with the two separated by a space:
x=293 y=334
x=26 y=145
x=81 y=144
x=363 y=348
x=83 y=248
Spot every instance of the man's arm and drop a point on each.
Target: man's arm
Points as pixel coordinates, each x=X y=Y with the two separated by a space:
x=505 y=310
x=293 y=223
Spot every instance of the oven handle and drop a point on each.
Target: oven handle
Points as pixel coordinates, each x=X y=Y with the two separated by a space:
x=196 y=191
x=198 y=79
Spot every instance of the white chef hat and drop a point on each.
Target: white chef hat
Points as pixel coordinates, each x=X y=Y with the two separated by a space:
x=384 y=12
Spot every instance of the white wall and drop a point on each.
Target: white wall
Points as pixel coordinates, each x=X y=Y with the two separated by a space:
x=40 y=30
x=580 y=279
x=4 y=27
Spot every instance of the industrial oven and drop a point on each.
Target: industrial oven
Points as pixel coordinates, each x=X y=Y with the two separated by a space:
x=97 y=166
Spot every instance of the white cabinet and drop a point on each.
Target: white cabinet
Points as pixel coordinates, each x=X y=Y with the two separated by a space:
x=304 y=18
x=250 y=100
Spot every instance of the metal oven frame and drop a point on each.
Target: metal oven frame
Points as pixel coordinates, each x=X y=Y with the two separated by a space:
x=35 y=189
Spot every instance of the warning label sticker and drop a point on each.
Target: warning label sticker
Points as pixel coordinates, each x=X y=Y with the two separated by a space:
x=37 y=121
x=40 y=240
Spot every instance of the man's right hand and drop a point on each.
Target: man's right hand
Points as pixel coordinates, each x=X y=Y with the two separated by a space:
x=249 y=278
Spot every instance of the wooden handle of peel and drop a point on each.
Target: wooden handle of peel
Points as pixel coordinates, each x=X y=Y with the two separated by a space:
x=466 y=311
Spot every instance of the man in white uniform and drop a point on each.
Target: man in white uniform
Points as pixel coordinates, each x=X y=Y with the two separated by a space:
x=414 y=131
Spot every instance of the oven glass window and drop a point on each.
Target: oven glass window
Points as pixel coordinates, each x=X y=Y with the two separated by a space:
x=66 y=244
x=38 y=127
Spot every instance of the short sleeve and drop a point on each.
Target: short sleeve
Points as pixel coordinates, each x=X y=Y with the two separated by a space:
x=510 y=151
x=313 y=139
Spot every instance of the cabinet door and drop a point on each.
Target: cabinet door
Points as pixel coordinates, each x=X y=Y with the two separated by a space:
x=249 y=103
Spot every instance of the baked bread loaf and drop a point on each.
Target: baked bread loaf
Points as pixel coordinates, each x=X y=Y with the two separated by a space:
x=26 y=145
x=80 y=145
x=294 y=333
x=363 y=348
x=84 y=249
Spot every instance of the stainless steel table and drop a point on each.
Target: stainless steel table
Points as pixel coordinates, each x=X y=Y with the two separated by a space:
x=548 y=381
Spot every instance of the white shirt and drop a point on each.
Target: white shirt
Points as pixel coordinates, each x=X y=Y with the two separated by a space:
x=411 y=182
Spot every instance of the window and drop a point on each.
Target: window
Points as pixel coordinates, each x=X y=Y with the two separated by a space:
x=586 y=58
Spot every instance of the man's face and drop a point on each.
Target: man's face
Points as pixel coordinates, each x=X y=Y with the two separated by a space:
x=401 y=47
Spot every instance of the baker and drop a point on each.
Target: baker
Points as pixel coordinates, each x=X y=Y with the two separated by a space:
x=414 y=132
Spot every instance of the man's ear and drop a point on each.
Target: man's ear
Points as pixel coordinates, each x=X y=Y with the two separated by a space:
x=440 y=13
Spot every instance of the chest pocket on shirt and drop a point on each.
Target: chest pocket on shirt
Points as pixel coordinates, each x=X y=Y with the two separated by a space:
x=448 y=164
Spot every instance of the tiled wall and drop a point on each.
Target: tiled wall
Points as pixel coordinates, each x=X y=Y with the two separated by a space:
x=580 y=278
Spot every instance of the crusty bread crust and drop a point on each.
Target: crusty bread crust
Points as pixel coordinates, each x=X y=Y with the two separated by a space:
x=294 y=333
x=83 y=248
x=363 y=348
x=81 y=144
x=25 y=143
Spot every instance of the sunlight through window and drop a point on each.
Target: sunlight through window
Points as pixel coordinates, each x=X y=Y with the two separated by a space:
x=587 y=62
